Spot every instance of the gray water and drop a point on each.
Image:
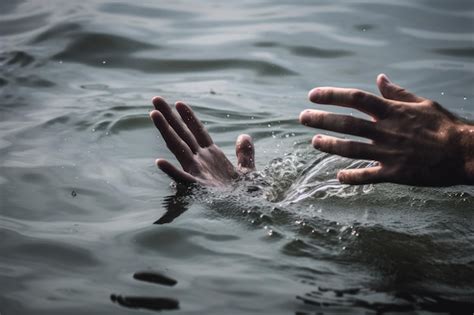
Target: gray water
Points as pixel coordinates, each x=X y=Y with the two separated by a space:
x=80 y=191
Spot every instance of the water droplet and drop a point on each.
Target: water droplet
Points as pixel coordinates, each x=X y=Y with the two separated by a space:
x=442 y=93
x=464 y=98
x=227 y=115
x=73 y=193
x=104 y=62
x=269 y=125
x=60 y=61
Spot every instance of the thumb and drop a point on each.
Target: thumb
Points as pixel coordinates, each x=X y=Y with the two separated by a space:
x=395 y=92
x=245 y=152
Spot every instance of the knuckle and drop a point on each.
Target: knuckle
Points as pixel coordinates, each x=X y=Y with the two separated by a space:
x=401 y=91
x=431 y=104
x=357 y=96
x=345 y=123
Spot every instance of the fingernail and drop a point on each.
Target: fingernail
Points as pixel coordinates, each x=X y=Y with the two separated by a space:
x=317 y=141
x=313 y=95
x=341 y=177
x=385 y=78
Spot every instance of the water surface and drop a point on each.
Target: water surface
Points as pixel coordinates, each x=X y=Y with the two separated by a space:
x=80 y=192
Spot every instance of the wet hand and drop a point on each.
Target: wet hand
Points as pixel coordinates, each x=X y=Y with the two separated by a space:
x=201 y=160
x=415 y=140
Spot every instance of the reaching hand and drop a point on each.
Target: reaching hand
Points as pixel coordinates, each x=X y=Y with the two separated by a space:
x=415 y=140
x=202 y=161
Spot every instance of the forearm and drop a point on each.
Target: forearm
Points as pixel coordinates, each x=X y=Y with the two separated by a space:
x=466 y=132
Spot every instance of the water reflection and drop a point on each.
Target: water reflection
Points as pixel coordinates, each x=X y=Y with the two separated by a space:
x=175 y=204
x=147 y=302
x=151 y=303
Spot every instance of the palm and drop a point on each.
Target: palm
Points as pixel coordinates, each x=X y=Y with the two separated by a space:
x=202 y=161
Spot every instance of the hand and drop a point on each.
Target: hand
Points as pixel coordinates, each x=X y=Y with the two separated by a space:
x=415 y=140
x=202 y=161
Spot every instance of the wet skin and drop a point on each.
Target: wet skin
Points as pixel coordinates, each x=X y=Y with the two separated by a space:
x=415 y=140
x=201 y=160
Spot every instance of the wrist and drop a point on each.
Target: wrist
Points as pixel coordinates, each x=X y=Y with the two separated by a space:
x=466 y=136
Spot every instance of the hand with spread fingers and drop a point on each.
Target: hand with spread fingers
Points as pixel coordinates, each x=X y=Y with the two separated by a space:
x=202 y=161
x=415 y=140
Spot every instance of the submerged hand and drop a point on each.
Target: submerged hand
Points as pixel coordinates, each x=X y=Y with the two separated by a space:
x=202 y=161
x=415 y=140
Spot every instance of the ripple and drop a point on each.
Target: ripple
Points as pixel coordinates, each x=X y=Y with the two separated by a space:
x=46 y=252
x=307 y=51
x=157 y=65
x=18 y=25
x=467 y=52
x=16 y=58
x=442 y=36
x=97 y=45
x=129 y=122
x=140 y=11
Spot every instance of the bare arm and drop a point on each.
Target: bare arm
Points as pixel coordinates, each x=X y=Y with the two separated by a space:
x=415 y=140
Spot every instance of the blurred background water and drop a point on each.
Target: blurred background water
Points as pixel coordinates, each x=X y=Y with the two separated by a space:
x=80 y=191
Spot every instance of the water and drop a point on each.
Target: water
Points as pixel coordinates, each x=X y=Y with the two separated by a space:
x=80 y=192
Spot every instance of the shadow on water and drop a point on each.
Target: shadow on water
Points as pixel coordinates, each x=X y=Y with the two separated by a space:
x=175 y=205
x=147 y=302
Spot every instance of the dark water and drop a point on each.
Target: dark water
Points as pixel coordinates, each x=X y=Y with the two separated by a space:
x=80 y=192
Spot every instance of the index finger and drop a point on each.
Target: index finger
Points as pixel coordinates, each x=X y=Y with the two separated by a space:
x=361 y=100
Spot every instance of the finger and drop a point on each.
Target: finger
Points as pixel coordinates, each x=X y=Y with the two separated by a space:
x=245 y=152
x=175 y=122
x=361 y=176
x=194 y=124
x=350 y=149
x=338 y=123
x=364 y=101
x=395 y=92
x=176 y=145
x=176 y=174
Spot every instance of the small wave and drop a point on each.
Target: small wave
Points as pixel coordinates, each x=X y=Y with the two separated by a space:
x=97 y=45
x=158 y=65
x=139 y=11
x=467 y=52
x=294 y=179
x=18 y=25
x=307 y=51
x=16 y=58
